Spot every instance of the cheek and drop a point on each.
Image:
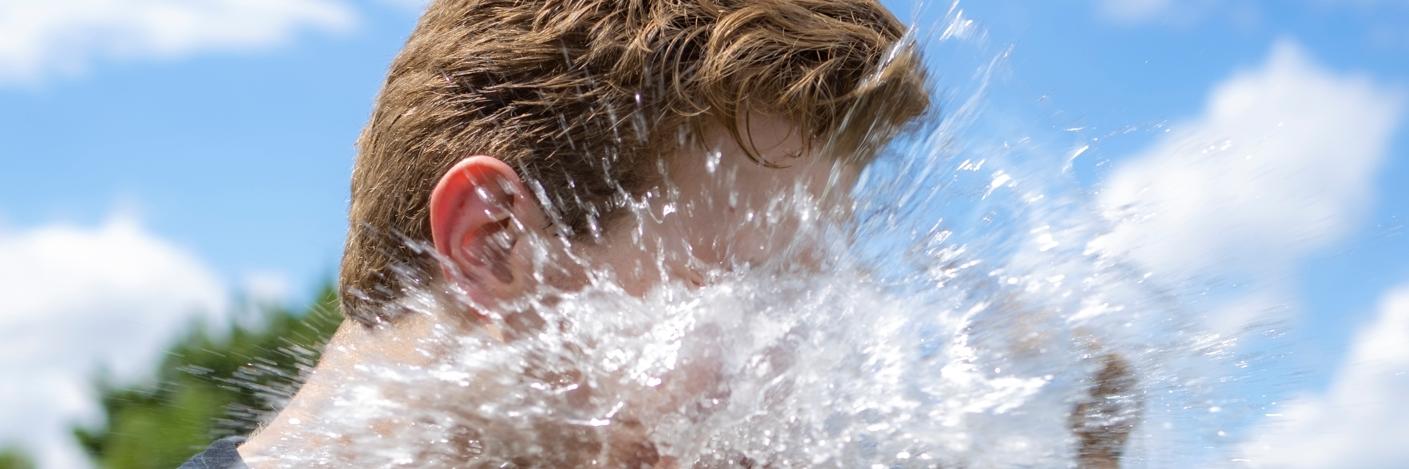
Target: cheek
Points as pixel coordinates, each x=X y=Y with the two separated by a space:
x=732 y=215
x=735 y=210
x=754 y=218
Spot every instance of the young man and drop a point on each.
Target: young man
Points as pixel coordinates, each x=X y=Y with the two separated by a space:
x=515 y=139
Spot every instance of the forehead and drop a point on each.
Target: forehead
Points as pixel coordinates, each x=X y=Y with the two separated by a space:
x=767 y=158
x=764 y=147
x=768 y=138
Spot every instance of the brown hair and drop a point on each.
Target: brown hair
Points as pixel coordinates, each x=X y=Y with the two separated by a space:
x=580 y=95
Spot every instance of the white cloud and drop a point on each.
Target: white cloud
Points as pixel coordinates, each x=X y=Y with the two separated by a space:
x=263 y=288
x=74 y=300
x=1176 y=13
x=46 y=37
x=1361 y=419
x=1133 y=10
x=1280 y=164
x=413 y=5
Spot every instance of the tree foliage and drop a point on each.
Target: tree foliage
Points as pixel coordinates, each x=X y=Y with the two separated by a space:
x=13 y=458
x=209 y=386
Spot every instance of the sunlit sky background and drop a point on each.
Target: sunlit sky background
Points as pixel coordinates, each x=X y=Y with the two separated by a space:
x=161 y=158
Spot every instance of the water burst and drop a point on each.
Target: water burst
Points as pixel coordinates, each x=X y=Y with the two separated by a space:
x=946 y=309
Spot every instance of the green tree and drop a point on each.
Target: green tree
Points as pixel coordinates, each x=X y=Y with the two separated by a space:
x=208 y=387
x=13 y=458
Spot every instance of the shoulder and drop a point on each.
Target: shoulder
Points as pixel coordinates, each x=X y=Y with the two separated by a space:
x=223 y=454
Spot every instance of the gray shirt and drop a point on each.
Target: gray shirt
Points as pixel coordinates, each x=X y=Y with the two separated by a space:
x=220 y=455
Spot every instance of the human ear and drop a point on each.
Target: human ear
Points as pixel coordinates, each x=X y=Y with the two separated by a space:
x=477 y=214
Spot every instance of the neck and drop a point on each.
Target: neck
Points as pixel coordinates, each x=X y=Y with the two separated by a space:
x=301 y=428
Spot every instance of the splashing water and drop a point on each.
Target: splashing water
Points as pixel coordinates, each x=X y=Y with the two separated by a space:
x=958 y=318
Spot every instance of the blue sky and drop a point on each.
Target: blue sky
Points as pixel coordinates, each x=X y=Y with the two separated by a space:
x=1104 y=71
x=223 y=143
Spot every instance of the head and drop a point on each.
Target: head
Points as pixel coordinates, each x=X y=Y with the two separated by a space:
x=509 y=120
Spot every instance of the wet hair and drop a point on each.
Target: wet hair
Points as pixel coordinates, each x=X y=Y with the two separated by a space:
x=582 y=97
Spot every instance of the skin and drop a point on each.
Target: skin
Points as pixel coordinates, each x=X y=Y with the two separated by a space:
x=482 y=222
x=485 y=225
